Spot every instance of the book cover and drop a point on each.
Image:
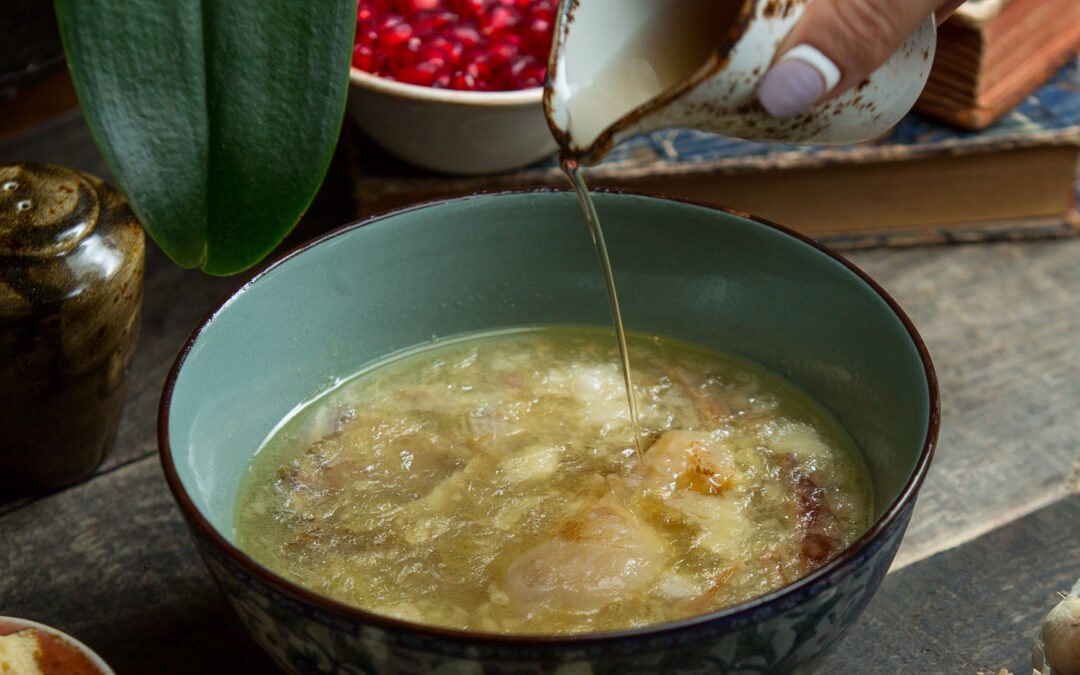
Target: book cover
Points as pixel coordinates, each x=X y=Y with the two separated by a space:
x=993 y=53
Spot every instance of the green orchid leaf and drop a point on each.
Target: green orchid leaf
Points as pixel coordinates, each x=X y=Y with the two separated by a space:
x=217 y=118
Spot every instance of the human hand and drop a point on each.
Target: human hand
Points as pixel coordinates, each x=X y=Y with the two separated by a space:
x=836 y=44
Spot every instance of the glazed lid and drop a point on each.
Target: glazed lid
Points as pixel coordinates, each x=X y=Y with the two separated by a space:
x=45 y=210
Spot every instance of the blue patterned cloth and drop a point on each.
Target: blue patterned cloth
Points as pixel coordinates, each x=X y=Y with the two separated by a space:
x=1053 y=107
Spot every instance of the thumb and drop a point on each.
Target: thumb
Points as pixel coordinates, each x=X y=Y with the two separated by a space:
x=835 y=45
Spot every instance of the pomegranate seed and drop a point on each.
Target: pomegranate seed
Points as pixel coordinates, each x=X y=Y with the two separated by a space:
x=388 y=21
x=538 y=35
x=503 y=51
x=498 y=21
x=463 y=81
x=393 y=30
x=466 y=34
x=428 y=23
x=368 y=37
x=533 y=76
x=480 y=68
x=411 y=7
x=402 y=56
x=399 y=34
x=519 y=64
x=365 y=58
x=423 y=74
x=542 y=8
x=472 y=45
x=472 y=8
x=451 y=51
x=437 y=62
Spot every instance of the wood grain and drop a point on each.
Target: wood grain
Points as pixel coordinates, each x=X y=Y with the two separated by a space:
x=111 y=563
x=1000 y=322
x=974 y=609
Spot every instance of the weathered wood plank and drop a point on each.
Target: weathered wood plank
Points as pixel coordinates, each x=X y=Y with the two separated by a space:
x=64 y=140
x=1001 y=322
x=972 y=609
x=111 y=562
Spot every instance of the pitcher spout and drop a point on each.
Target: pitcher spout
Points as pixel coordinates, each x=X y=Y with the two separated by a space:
x=620 y=68
x=614 y=61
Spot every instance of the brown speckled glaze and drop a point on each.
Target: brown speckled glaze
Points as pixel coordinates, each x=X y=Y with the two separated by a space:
x=71 y=270
x=719 y=96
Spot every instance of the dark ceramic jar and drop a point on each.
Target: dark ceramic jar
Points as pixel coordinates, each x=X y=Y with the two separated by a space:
x=71 y=269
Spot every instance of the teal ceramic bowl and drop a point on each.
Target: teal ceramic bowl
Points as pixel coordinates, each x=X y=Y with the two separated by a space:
x=717 y=278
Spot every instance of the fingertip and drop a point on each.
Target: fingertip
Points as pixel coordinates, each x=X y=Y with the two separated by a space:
x=797 y=81
x=858 y=35
x=829 y=71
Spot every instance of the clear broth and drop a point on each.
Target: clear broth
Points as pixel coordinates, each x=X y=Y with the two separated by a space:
x=488 y=483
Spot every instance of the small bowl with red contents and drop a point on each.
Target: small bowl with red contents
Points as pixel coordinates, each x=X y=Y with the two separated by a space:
x=27 y=644
x=454 y=85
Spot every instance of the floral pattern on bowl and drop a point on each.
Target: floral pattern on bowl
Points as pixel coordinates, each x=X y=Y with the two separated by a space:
x=789 y=637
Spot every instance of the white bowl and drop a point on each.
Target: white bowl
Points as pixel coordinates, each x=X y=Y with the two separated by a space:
x=451 y=131
x=10 y=624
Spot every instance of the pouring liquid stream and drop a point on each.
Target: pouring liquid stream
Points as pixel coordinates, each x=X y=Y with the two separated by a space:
x=661 y=43
x=573 y=173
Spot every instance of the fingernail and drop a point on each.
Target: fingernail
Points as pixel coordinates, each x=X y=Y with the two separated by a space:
x=797 y=81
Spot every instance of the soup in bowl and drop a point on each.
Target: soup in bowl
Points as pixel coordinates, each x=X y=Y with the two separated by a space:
x=716 y=299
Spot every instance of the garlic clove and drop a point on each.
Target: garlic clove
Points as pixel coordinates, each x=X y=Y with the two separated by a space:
x=1061 y=637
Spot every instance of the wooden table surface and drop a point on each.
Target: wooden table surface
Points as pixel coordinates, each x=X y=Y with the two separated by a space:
x=992 y=541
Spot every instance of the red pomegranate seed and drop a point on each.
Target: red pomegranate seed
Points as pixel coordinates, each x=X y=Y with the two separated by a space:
x=404 y=55
x=422 y=74
x=498 y=20
x=473 y=45
x=393 y=30
x=465 y=34
x=472 y=8
x=503 y=51
x=386 y=21
x=437 y=62
x=429 y=23
x=479 y=68
x=463 y=81
x=365 y=58
x=367 y=36
x=533 y=76
x=522 y=72
x=538 y=35
x=451 y=51
x=518 y=65
x=411 y=7
x=545 y=8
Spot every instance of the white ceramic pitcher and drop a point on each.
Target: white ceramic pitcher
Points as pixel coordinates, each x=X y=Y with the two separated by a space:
x=624 y=67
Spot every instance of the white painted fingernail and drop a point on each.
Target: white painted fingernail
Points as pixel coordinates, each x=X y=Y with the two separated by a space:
x=801 y=77
x=821 y=63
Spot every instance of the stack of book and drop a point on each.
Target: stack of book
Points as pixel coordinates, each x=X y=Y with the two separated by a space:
x=926 y=181
x=993 y=53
